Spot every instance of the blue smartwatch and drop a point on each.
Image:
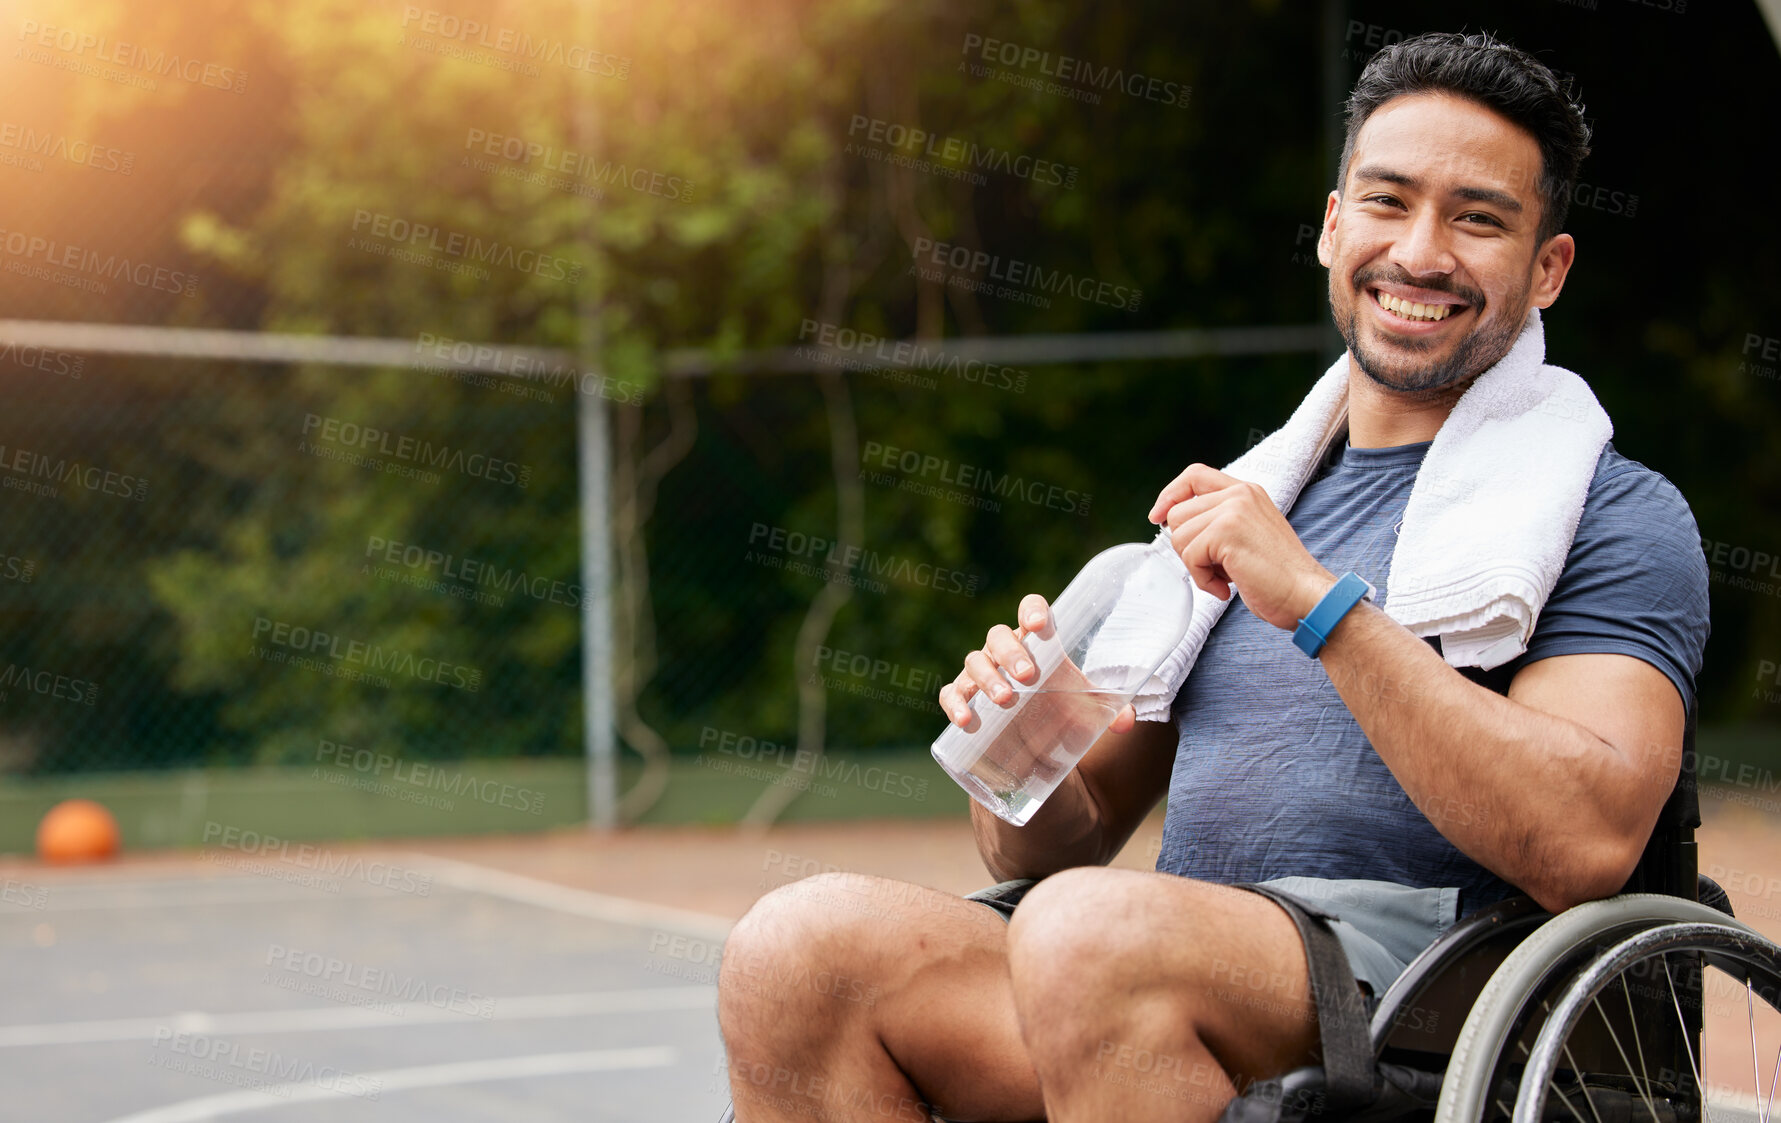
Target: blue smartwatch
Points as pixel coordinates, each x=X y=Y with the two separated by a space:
x=1314 y=630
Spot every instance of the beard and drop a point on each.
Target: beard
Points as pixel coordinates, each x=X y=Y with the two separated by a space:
x=1406 y=365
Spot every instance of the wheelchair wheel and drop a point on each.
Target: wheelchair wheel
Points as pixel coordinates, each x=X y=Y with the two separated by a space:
x=1597 y=1016
x=1730 y=951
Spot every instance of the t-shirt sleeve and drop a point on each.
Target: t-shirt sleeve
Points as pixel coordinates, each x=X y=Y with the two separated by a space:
x=1635 y=582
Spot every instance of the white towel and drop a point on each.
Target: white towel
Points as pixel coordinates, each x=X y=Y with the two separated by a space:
x=1490 y=518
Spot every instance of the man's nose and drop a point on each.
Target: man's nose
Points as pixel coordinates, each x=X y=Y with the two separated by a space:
x=1425 y=247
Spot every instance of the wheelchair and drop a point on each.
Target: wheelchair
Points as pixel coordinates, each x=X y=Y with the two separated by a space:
x=1593 y=1015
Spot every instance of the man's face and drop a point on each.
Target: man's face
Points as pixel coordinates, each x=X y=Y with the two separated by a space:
x=1441 y=209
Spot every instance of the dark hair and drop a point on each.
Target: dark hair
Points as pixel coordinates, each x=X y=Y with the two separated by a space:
x=1496 y=75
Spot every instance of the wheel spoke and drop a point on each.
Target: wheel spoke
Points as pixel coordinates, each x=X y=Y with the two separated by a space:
x=1615 y=1037
x=1682 y=1022
x=1773 y=1076
x=1644 y=1078
x=1521 y=1042
x=1502 y=1065
x=1567 y=1101
x=1755 y=1064
x=1582 y=1085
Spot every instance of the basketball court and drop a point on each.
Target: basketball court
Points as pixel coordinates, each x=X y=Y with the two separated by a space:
x=557 y=976
x=221 y=989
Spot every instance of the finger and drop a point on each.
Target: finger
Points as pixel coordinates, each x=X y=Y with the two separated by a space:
x=964 y=684
x=955 y=700
x=1172 y=493
x=1190 y=508
x=1005 y=649
x=1035 y=613
x=985 y=674
x=1195 y=479
x=1197 y=543
x=1183 y=533
x=1124 y=720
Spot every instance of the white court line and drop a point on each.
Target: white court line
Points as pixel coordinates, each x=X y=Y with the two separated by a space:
x=402 y=1079
x=95 y=880
x=233 y=895
x=448 y=872
x=352 y=1017
x=575 y=902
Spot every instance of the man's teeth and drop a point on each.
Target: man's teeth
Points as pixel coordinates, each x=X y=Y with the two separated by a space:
x=1411 y=310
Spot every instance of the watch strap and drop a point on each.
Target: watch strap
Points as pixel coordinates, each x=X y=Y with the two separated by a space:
x=1315 y=628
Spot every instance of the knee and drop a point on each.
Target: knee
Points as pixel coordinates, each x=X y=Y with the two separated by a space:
x=1073 y=947
x=816 y=916
x=1076 y=932
x=790 y=943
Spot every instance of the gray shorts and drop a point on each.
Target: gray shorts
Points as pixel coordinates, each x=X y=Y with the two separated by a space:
x=1380 y=924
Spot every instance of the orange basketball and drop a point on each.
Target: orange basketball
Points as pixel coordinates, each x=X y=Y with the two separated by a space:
x=77 y=830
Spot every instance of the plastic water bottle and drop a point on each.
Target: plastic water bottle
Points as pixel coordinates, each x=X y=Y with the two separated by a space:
x=1109 y=631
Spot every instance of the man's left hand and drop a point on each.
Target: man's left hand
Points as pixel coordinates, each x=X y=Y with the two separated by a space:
x=1229 y=533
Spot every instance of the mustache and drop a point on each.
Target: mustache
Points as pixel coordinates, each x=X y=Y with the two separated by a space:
x=1401 y=277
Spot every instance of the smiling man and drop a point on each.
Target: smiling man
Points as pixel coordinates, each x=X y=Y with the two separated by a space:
x=1437 y=226
x=1385 y=781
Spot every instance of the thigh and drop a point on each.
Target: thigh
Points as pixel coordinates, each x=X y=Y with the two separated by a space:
x=1222 y=963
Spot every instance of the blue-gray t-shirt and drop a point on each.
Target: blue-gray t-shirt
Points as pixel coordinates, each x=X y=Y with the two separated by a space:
x=1274 y=778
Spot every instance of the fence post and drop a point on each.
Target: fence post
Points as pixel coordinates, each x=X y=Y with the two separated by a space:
x=593 y=455
x=593 y=452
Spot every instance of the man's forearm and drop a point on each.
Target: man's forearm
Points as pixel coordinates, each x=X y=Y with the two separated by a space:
x=1064 y=833
x=1473 y=760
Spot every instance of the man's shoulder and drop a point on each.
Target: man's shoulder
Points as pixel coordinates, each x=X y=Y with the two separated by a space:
x=1637 y=553
x=1612 y=464
x=1635 y=520
x=1624 y=491
x=1635 y=581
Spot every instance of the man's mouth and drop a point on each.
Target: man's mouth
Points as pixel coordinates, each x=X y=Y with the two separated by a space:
x=1416 y=311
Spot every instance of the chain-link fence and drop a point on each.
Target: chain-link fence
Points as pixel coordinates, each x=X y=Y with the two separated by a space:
x=220 y=563
x=213 y=563
x=209 y=563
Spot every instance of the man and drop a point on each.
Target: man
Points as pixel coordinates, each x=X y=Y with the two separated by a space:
x=1394 y=790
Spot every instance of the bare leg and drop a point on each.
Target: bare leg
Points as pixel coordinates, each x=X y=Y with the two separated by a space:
x=1144 y=996
x=847 y=997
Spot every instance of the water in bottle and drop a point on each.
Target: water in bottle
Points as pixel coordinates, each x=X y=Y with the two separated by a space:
x=1109 y=631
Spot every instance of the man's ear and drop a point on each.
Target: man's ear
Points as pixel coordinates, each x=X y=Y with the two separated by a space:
x=1551 y=267
x=1325 y=250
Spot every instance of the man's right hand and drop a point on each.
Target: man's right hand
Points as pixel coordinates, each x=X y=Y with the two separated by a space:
x=1004 y=652
x=1098 y=805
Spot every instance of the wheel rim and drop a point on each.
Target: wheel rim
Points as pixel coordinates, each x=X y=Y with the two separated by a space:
x=1744 y=959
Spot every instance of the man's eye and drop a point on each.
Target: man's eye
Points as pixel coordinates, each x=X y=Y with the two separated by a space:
x=1386 y=200
x=1487 y=219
